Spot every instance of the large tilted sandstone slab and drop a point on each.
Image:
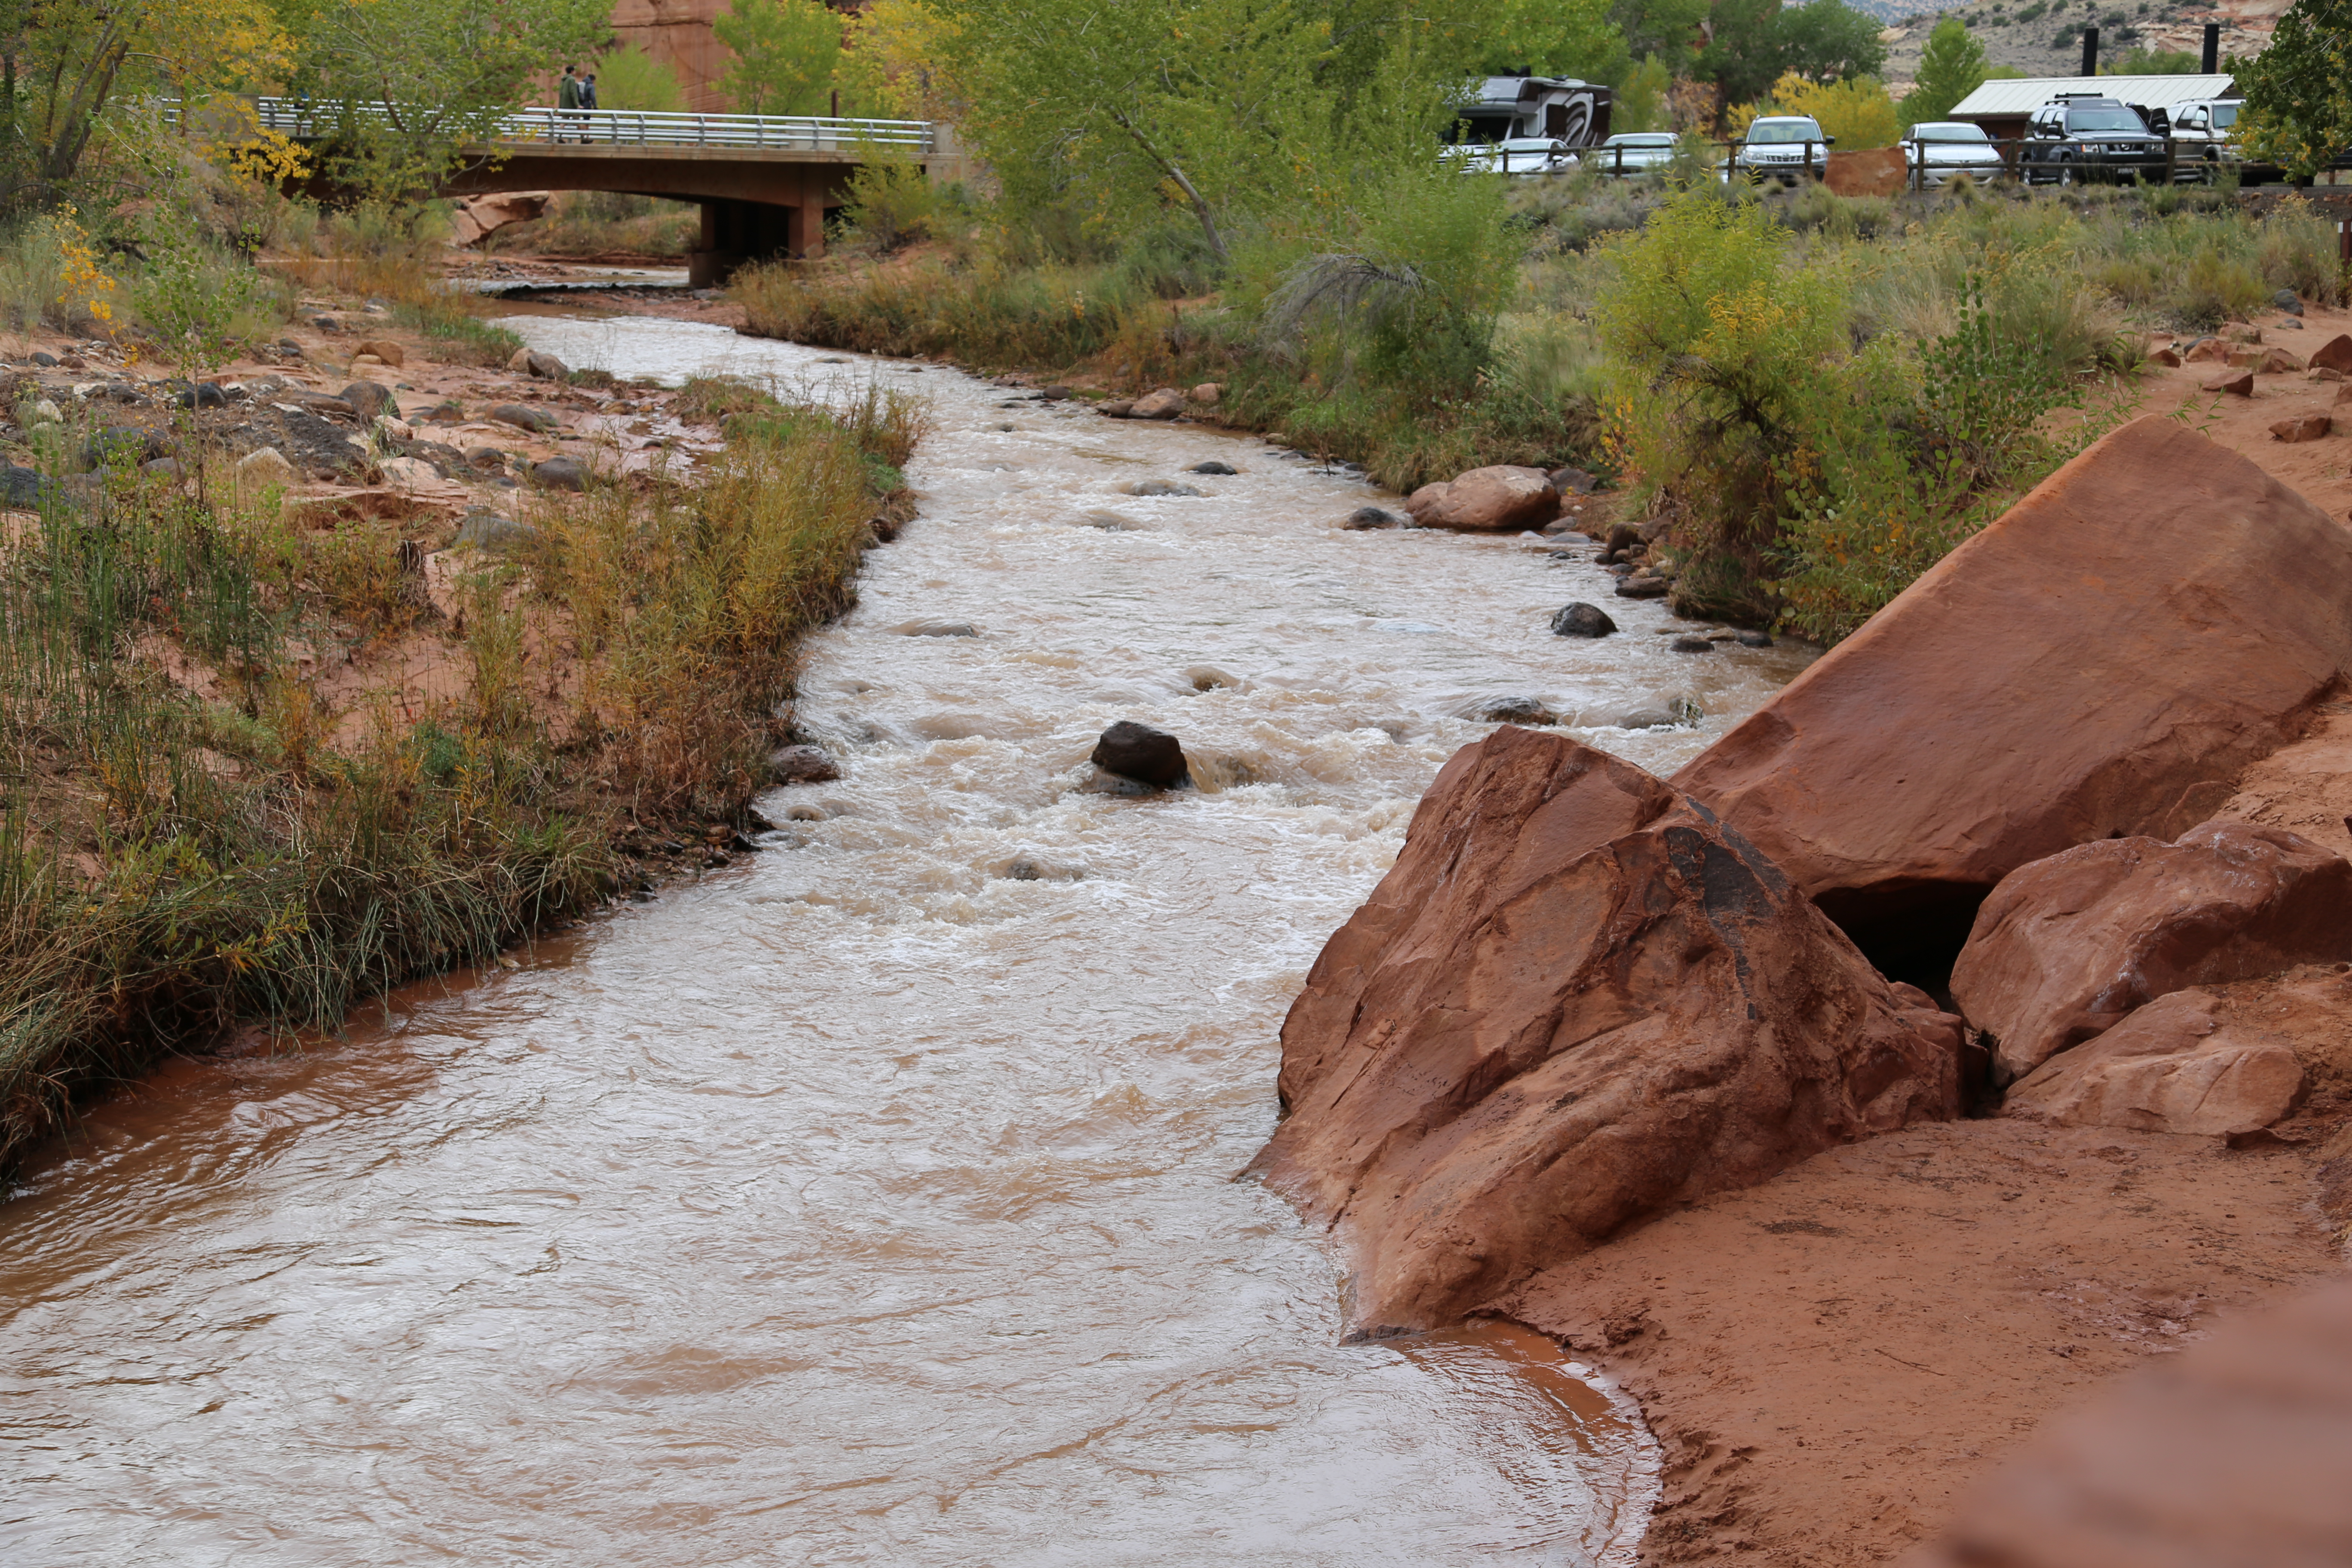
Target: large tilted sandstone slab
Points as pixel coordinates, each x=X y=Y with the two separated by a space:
x=1574 y=1000
x=2065 y=947
x=2171 y=1067
x=2103 y=660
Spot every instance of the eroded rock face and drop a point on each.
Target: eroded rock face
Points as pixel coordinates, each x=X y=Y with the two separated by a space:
x=2105 y=659
x=2067 y=946
x=2171 y=1067
x=1488 y=501
x=1574 y=999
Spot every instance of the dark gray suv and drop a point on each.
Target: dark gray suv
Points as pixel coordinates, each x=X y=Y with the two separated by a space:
x=2078 y=138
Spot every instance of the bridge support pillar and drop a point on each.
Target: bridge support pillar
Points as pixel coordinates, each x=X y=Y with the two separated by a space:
x=735 y=232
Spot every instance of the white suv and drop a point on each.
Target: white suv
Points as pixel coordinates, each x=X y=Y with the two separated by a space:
x=1782 y=147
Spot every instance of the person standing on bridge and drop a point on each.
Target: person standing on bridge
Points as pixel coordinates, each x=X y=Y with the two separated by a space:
x=567 y=99
x=588 y=99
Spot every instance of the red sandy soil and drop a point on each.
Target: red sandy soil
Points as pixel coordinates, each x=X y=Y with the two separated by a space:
x=2321 y=469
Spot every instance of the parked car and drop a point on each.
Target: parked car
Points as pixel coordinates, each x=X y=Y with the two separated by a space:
x=1515 y=155
x=2204 y=138
x=1780 y=147
x=2080 y=137
x=1936 y=150
x=1630 y=152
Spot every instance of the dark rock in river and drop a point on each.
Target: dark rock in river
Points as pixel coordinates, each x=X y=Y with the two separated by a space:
x=1581 y=620
x=560 y=474
x=801 y=764
x=1212 y=466
x=1518 y=710
x=1753 y=639
x=1692 y=644
x=368 y=398
x=1139 y=752
x=1161 y=487
x=1377 y=516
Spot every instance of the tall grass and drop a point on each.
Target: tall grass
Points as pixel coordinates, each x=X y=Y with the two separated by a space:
x=186 y=845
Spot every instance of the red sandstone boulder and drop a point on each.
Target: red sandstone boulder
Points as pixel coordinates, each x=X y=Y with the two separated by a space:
x=475 y=216
x=2065 y=947
x=2302 y=427
x=2335 y=354
x=2171 y=1067
x=2236 y=1453
x=2278 y=362
x=1488 y=501
x=2168 y=358
x=2105 y=659
x=2206 y=350
x=2241 y=384
x=1575 y=999
x=1165 y=404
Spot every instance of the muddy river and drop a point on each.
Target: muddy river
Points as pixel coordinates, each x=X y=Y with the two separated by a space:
x=871 y=1201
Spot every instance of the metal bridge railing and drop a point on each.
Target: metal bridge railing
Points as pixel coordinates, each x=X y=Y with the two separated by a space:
x=299 y=120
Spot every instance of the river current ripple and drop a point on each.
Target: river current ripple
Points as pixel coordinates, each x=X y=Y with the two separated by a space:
x=871 y=1202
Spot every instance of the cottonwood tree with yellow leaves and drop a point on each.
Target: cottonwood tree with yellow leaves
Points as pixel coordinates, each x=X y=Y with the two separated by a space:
x=64 y=64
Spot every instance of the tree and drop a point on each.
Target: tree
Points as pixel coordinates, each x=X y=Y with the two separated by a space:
x=2298 y=110
x=1555 y=38
x=1951 y=67
x=404 y=90
x=1855 y=114
x=1743 y=57
x=1278 y=109
x=785 y=53
x=63 y=63
x=629 y=78
x=1642 y=97
x=1669 y=31
x=2156 y=62
x=1829 y=40
x=893 y=62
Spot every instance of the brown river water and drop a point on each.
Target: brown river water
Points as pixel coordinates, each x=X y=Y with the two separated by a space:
x=871 y=1201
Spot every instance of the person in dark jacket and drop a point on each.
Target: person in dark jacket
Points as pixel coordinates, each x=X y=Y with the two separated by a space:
x=588 y=98
x=567 y=97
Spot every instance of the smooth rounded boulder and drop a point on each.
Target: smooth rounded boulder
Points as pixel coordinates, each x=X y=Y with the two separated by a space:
x=2171 y=1067
x=1165 y=404
x=1140 y=753
x=1575 y=1000
x=1486 y=500
x=1581 y=620
x=2066 y=946
x=2104 y=659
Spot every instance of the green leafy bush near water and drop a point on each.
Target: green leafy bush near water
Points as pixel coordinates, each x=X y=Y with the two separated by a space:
x=1816 y=396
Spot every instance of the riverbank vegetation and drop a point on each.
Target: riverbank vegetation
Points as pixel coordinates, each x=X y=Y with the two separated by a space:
x=265 y=759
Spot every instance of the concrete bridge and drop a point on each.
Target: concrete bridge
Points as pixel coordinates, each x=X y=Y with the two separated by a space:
x=765 y=182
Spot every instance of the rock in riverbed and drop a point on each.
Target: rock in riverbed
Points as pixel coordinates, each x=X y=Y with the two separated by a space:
x=1575 y=1000
x=1581 y=620
x=1140 y=753
x=1486 y=500
x=801 y=764
x=1165 y=404
x=2066 y=946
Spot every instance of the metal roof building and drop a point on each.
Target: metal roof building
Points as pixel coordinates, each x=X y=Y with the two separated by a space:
x=2001 y=107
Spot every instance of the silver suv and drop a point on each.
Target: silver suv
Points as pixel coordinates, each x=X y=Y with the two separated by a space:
x=2205 y=138
x=1780 y=147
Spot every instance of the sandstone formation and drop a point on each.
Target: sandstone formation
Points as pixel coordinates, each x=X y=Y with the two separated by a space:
x=2066 y=946
x=2168 y=1068
x=2240 y=384
x=2105 y=659
x=1869 y=172
x=2236 y=1451
x=2335 y=354
x=2302 y=427
x=1486 y=500
x=1165 y=404
x=475 y=216
x=1575 y=999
